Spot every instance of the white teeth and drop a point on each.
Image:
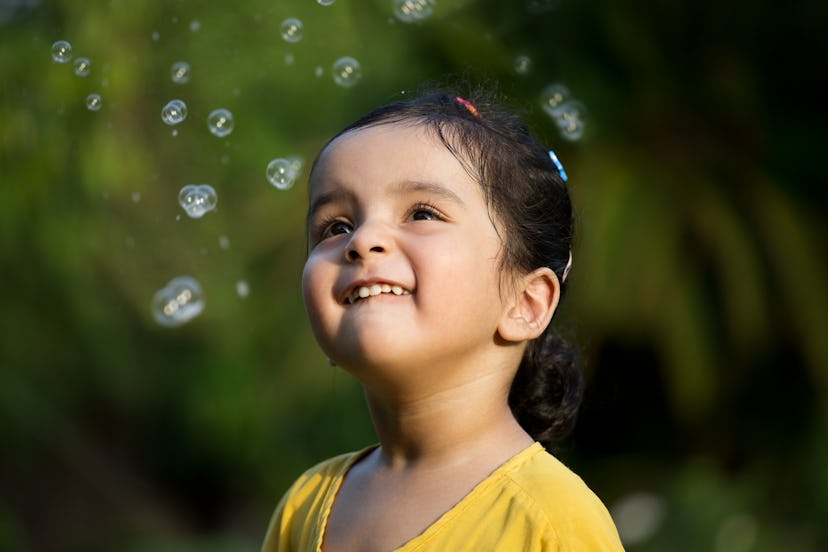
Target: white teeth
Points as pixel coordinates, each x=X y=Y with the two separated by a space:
x=373 y=290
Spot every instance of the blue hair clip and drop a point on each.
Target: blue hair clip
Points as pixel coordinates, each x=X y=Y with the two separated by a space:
x=558 y=165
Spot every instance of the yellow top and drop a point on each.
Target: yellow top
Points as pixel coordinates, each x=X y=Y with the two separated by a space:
x=532 y=502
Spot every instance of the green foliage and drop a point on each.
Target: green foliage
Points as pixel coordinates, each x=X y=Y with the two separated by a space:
x=701 y=243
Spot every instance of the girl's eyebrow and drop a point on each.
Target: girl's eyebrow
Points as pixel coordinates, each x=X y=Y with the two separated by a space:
x=409 y=186
x=324 y=198
x=402 y=188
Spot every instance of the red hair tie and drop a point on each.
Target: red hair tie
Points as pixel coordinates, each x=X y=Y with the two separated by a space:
x=468 y=105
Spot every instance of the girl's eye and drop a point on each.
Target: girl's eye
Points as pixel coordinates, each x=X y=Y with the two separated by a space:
x=336 y=228
x=425 y=212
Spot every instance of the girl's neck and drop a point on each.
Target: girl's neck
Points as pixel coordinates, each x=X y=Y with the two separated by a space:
x=448 y=427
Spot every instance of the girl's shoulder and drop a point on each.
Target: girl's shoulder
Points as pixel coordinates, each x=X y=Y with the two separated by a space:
x=555 y=495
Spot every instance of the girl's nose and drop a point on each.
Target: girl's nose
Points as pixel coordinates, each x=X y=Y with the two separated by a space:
x=365 y=241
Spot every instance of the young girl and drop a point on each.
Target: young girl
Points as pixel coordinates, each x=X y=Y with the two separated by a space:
x=439 y=239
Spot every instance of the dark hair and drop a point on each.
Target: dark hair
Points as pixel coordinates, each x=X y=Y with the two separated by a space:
x=525 y=191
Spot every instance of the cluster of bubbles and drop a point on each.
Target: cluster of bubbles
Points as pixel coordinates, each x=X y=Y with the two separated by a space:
x=282 y=172
x=413 y=11
x=325 y=2
x=292 y=30
x=178 y=302
x=346 y=71
x=568 y=113
x=197 y=199
x=174 y=112
x=62 y=53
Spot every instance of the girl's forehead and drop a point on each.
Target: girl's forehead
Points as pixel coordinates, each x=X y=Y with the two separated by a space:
x=386 y=152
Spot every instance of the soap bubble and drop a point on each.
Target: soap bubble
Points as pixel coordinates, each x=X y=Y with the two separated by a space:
x=178 y=302
x=325 y=2
x=297 y=163
x=61 y=51
x=291 y=30
x=281 y=173
x=220 y=122
x=195 y=25
x=197 y=200
x=552 y=97
x=94 y=102
x=346 y=72
x=174 y=112
x=82 y=66
x=242 y=289
x=411 y=11
x=180 y=72
x=523 y=64
x=570 y=118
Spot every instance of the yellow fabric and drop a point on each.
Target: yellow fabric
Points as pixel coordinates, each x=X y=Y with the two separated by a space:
x=531 y=503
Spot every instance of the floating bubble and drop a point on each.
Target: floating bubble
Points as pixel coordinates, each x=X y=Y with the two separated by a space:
x=94 y=102
x=195 y=25
x=197 y=199
x=523 y=64
x=180 y=72
x=280 y=173
x=325 y=2
x=61 y=51
x=242 y=289
x=174 y=112
x=289 y=59
x=570 y=118
x=552 y=97
x=292 y=30
x=220 y=122
x=346 y=72
x=224 y=242
x=82 y=66
x=178 y=302
x=297 y=163
x=155 y=36
x=412 y=11
x=318 y=72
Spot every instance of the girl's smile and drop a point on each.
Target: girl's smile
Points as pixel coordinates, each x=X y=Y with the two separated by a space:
x=402 y=252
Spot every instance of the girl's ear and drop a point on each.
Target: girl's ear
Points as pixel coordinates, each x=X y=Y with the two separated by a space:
x=536 y=297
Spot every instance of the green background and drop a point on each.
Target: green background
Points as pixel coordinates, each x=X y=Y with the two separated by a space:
x=698 y=292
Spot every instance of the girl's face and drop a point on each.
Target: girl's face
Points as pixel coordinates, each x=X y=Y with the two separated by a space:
x=402 y=276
